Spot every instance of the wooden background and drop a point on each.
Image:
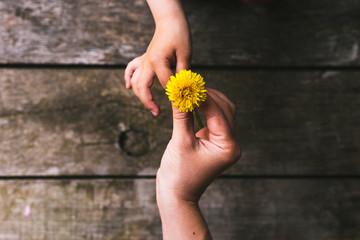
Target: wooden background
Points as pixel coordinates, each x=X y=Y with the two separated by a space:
x=82 y=151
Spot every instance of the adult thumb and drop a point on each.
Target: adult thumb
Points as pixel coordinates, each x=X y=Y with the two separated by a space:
x=183 y=126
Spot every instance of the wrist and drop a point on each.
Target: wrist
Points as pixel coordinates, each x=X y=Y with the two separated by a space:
x=181 y=219
x=166 y=196
x=169 y=196
x=174 y=207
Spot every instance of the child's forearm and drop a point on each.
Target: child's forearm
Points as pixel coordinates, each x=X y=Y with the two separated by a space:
x=166 y=10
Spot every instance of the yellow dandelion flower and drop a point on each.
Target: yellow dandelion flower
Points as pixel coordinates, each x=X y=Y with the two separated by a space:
x=186 y=90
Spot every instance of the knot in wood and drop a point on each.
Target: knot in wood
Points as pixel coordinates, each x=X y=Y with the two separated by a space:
x=134 y=143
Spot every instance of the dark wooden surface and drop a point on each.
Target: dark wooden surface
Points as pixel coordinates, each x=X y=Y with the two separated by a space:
x=61 y=121
x=234 y=208
x=283 y=33
x=82 y=151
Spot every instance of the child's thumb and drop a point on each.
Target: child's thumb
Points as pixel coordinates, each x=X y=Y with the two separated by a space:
x=182 y=62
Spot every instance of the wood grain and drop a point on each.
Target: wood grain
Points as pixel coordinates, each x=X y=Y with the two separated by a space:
x=68 y=122
x=126 y=209
x=56 y=122
x=74 y=142
x=294 y=122
x=282 y=33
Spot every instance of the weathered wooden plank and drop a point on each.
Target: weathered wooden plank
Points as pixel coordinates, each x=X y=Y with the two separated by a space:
x=224 y=32
x=72 y=210
x=295 y=122
x=126 y=209
x=70 y=121
x=73 y=32
x=64 y=122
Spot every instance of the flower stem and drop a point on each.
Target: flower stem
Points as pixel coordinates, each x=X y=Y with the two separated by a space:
x=198 y=119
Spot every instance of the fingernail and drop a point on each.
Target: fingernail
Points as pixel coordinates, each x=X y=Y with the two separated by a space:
x=154 y=113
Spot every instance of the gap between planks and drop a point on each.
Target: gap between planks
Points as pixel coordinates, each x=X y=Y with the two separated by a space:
x=225 y=176
x=205 y=67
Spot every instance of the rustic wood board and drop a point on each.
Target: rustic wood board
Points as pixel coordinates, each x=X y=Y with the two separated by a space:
x=68 y=122
x=126 y=209
x=295 y=122
x=282 y=33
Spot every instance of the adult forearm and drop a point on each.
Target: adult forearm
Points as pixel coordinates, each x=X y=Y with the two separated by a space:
x=182 y=220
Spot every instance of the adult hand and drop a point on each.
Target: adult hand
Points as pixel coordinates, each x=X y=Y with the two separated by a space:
x=192 y=161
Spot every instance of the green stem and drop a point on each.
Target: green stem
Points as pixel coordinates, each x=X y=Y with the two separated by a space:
x=198 y=119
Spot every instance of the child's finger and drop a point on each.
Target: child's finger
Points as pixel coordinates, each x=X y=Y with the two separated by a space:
x=129 y=71
x=128 y=74
x=163 y=72
x=146 y=98
x=142 y=90
x=182 y=62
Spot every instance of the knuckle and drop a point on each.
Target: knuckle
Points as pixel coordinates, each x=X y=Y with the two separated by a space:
x=234 y=153
x=154 y=59
x=237 y=152
x=134 y=81
x=181 y=116
x=128 y=66
x=132 y=63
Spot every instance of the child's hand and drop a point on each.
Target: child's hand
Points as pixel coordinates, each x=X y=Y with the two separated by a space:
x=171 y=45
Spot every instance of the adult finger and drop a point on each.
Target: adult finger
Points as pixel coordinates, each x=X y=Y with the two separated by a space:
x=219 y=129
x=232 y=106
x=226 y=106
x=183 y=127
